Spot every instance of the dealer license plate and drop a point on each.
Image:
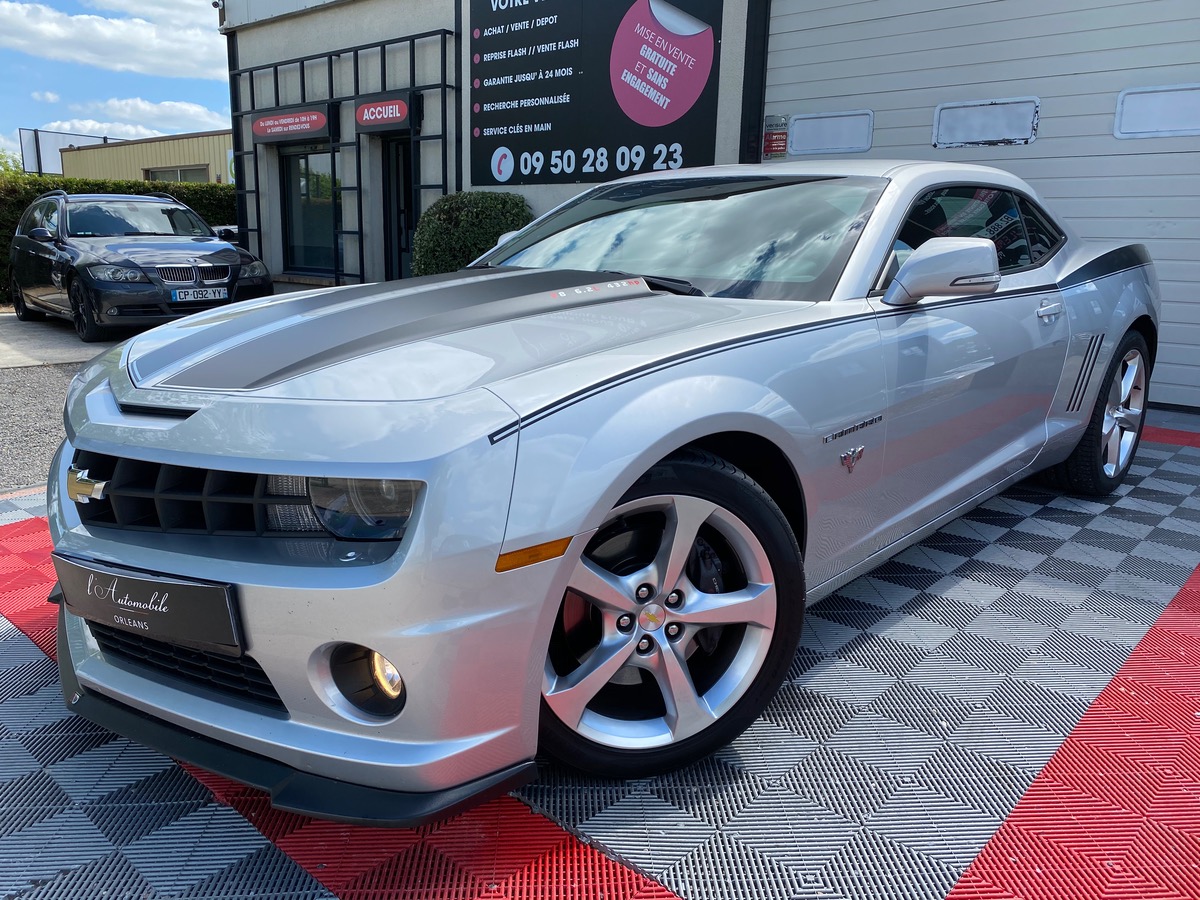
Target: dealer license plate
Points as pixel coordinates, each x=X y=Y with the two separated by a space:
x=202 y=294
x=189 y=613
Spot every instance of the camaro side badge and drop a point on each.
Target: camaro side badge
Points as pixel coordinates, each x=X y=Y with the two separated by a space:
x=81 y=489
x=850 y=429
x=851 y=457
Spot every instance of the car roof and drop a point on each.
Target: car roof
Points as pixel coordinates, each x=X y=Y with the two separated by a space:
x=900 y=169
x=147 y=198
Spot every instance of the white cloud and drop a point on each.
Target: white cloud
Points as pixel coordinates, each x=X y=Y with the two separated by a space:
x=45 y=96
x=10 y=142
x=193 y=13
x=169 y=117
x=124 y=130
x=171 y=41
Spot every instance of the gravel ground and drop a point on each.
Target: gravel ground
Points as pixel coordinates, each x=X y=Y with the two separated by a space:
x=31 y=402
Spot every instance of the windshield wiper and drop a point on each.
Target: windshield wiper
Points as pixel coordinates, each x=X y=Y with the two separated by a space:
x=663 y=283
x=150 y=234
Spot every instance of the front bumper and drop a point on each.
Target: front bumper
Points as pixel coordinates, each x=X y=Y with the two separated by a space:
x=142 y=303
x=290 y=789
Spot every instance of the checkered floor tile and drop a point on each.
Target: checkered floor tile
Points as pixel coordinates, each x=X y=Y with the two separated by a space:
x=925 y=703
x=925 y=699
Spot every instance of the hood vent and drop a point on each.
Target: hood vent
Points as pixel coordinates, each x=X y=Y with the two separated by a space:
x=161 y=412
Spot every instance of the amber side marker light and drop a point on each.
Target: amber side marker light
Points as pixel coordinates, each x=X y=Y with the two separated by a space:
x=515 y=559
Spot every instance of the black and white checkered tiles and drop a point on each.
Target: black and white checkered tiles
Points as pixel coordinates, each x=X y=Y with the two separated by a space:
x=924 y=700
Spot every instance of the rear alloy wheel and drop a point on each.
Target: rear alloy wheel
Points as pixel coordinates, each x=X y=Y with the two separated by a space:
x=1102 y=458
x=83 y=314
x=24 y=313
x=678 y=624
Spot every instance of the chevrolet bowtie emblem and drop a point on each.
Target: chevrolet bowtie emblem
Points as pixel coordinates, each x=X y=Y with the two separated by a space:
x=81 y=489
x=852 y=456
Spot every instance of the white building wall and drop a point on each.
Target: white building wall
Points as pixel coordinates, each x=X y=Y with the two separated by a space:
x=903 y=59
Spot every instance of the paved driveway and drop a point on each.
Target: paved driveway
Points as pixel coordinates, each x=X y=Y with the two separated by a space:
x=37 y=361
x=40 y=343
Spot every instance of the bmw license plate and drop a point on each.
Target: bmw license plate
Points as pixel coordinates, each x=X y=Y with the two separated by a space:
x=203 y=294
x=188 y=613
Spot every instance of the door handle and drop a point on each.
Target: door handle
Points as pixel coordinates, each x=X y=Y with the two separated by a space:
x=1049 y=310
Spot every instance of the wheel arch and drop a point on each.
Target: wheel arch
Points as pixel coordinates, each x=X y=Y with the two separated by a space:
x=1145 y=326
x=766 y=463
x=575 y=468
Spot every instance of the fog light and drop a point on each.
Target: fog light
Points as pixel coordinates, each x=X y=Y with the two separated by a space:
x=367 y=679
x=113 y=311
x=387 y=679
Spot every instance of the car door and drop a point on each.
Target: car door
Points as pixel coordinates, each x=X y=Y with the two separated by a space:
x=45 y=284
x=970 y=379
x=23 y=248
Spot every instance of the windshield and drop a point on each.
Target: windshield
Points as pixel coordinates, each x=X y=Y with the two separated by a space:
x=109 y=218
x=758 y=237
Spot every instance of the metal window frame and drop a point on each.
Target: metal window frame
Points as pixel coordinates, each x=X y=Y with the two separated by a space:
x=244 y=91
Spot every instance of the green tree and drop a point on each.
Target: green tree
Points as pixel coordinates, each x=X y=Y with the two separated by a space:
x=10 y=164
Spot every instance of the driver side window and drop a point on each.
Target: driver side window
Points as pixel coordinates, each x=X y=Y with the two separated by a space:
x=970 y=211
x=50 y=217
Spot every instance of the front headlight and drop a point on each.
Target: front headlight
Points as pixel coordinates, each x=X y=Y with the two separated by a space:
x=364 y=509
x=255 y=270
x=120 y=274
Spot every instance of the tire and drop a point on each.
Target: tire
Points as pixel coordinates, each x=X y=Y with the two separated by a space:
x=24 y=313
x=1102 y=458
x=83 y=314
x=639 y=682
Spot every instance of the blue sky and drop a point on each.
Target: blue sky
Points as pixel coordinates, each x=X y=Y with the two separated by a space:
x=122 y=68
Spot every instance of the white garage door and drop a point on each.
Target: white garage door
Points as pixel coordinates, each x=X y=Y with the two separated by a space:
x=903 y=58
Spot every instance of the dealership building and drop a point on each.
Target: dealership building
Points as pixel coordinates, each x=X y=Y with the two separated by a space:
x=352 y=116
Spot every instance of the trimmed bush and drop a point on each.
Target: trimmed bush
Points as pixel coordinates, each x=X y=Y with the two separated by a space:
x=216 y=203
x=458 y=228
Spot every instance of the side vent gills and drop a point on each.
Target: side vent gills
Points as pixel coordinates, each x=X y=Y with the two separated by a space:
x=162 y=412
x=1085 y=372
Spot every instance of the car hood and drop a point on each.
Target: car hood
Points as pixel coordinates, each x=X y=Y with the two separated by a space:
x=520 y=332
x=162 y=250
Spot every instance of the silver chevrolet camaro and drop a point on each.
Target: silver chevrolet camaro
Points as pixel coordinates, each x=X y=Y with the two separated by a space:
x=373 y=548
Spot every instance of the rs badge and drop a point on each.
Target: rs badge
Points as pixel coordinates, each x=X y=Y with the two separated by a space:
x=851 y=457
x=81 y=489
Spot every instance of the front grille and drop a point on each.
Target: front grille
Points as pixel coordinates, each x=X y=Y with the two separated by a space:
x=213 y=274
x=240 y=677
x=192 y=274
x=148 y=496
x=177 y=274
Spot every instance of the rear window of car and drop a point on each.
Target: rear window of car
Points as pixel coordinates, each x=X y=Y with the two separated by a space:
x=1044 y=236
x=757 y=237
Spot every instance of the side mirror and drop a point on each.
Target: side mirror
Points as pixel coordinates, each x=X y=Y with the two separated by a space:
x=41 y=235
x=228 y=234
x=946 y=267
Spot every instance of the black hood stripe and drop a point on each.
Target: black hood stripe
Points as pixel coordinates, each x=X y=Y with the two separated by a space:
x=314 y=341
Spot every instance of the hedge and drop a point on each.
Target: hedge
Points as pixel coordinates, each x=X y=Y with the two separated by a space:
x=458 y=228
x=216 y=203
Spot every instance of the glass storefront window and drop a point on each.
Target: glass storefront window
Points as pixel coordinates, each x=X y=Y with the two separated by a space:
x=308 y=211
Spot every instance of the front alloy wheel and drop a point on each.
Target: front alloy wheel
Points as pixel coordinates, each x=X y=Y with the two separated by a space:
x=83 y=314
x=678 y=624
